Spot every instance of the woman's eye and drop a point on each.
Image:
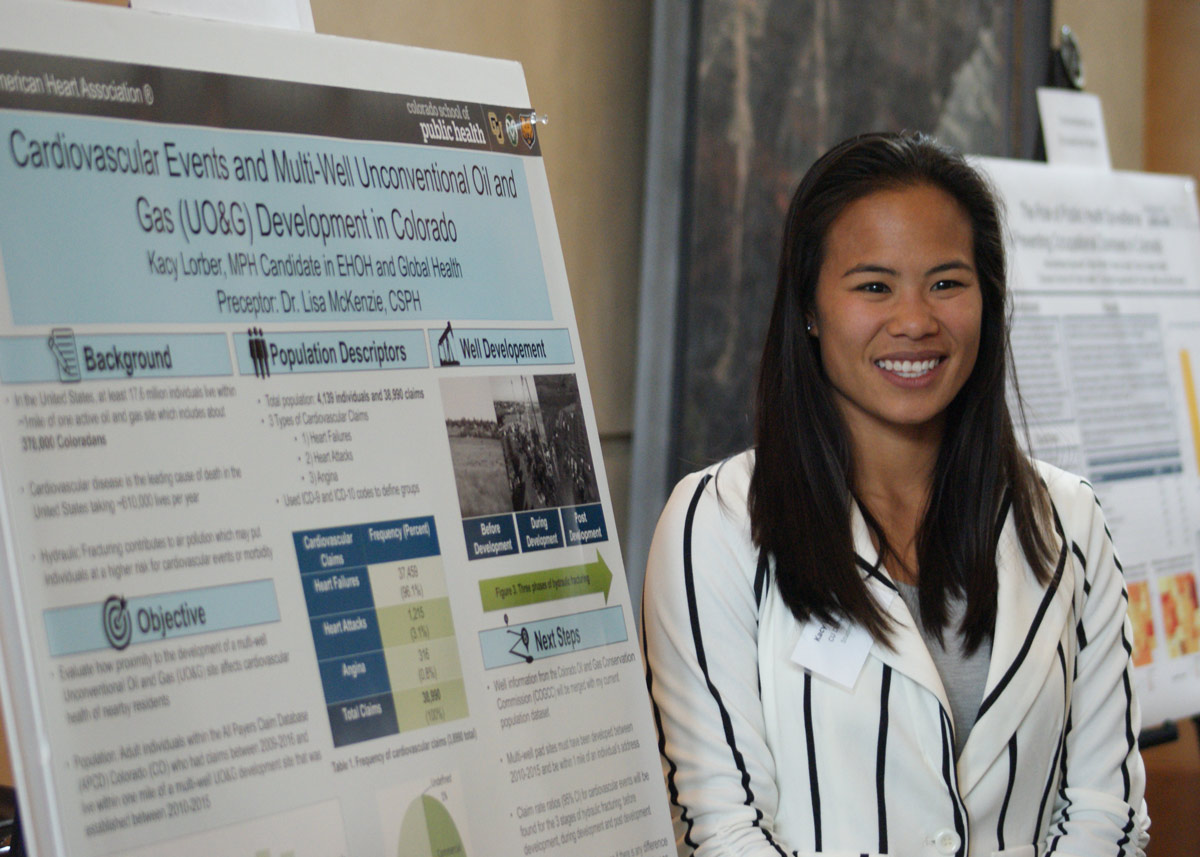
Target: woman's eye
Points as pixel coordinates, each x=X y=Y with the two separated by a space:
x=874 y=288
x=942 y=285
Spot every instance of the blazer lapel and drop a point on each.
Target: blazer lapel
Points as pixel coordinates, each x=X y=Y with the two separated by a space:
x=909 y=654
x=1029 y=626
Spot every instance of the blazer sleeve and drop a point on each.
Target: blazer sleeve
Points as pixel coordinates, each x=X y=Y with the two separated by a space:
x=1100 y=809
x=700 y=636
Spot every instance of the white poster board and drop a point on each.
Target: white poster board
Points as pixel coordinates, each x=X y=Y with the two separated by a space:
x=308 y=548
x=1105 y=272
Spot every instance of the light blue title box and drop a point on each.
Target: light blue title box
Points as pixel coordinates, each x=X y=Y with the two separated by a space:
x=409 y=235
x=546 y=638
x=499 y=347
x=60 y=355
x=116 y=623
x=331 y=351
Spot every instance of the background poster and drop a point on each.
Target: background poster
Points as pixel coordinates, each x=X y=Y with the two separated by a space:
x=307 y=542
x=1105 y=270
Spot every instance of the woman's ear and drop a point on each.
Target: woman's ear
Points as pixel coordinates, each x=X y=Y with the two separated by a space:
x=810 y=325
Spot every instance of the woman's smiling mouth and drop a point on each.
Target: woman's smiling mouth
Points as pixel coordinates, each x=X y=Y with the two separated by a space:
x=909 y=368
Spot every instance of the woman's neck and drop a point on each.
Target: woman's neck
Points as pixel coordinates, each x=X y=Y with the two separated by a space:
x=893 y=477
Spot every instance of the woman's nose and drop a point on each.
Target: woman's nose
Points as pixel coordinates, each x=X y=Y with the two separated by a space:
x=913 y=316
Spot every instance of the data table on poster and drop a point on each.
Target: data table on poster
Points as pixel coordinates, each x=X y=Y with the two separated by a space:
x=382 y=628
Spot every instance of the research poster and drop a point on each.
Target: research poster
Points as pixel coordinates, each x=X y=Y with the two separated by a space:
x=308 y=549
x=1105 y=270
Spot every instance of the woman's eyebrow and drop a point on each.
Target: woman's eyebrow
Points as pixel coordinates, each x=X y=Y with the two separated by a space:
x=871 y=269
x=955 y=265
x=868 y=268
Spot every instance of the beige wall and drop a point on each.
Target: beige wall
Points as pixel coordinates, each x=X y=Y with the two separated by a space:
x=586 y=63
x=1112 y=35
x=1172 y=86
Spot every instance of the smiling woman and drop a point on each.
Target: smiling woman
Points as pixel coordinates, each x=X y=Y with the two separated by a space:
x=976 y=696
x=896 y=314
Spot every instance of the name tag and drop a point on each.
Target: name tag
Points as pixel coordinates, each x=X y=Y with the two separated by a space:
x=839 y=654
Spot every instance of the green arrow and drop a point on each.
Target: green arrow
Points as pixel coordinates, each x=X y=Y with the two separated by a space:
x=533 y=587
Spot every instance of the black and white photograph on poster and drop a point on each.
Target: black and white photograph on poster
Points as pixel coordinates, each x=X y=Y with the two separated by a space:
x=528 y=461
x=562 y=415
x=475 y=447
x=518 y=443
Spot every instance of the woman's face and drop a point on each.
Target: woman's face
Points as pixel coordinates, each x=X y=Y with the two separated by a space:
x=897 y=310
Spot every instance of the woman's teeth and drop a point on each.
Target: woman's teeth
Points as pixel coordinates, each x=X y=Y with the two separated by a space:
x=908 y=368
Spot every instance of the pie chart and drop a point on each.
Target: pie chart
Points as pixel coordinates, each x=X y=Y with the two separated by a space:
x=429 y=831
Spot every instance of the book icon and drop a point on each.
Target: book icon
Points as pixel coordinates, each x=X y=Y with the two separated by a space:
x=62 y=346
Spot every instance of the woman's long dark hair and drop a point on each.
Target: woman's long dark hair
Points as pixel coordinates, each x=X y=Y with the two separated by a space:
x=803 y=482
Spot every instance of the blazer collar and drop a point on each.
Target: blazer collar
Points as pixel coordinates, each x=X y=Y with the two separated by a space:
x=1030 y=619
x=1029 y=624
x=908 y=653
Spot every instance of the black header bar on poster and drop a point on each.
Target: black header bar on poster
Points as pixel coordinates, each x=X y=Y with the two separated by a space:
x=119 y=90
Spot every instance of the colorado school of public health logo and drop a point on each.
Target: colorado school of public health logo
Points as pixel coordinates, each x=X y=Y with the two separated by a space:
x=118 y=626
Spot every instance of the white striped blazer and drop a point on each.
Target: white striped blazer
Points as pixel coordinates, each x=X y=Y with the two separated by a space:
x=763 y=757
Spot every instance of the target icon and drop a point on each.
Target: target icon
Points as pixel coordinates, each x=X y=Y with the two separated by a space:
x=118 y=627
